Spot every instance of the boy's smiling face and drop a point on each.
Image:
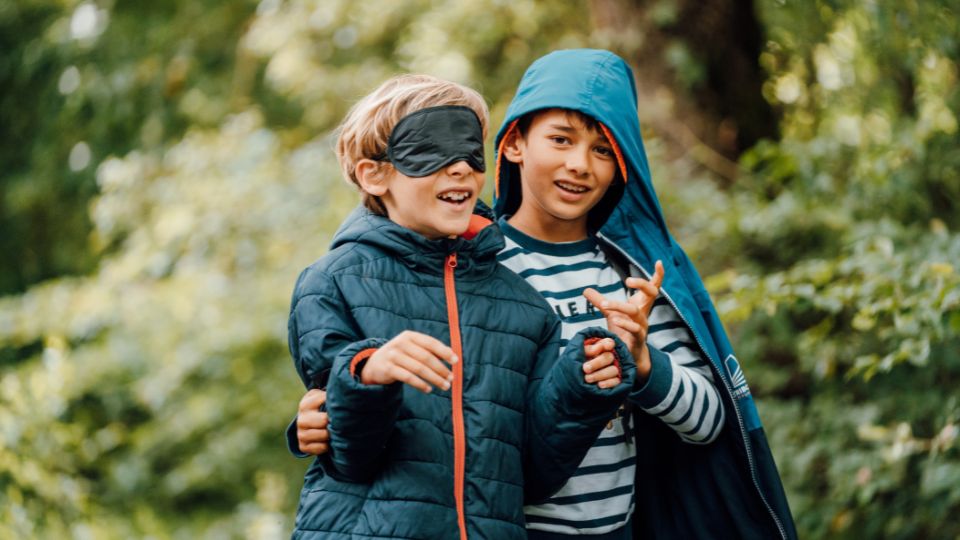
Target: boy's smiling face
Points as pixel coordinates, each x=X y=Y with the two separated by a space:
x=437 y=206
x=565 y=170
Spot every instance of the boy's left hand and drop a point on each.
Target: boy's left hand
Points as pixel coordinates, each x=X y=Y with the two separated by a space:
x=628 y=320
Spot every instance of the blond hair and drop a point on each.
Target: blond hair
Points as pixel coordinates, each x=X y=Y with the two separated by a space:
x=364 y=132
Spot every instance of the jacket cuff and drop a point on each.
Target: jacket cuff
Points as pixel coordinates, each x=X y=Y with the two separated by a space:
x=293 y=445
x=359 y=358
x=657 y=385
x=346 y=389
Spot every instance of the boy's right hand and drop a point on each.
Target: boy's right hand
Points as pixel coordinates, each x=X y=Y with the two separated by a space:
x=312 y=435
x=411 y=358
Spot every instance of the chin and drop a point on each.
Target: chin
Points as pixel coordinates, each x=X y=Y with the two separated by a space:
x=459 y=227
x=569 y=214
x=456 y=231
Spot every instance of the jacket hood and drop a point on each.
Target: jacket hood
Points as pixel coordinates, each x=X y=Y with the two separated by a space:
x=599 y=84
x=477 y=246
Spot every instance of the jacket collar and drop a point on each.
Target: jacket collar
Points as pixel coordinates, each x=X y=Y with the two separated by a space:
x=476 y=249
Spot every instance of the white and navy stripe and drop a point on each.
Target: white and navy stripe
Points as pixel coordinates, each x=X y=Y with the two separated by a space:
x=599 y=497
x=691 y=405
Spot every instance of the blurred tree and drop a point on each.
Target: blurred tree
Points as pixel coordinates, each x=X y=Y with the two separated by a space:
x=82 y=81
x=836 y=259
x=697 y=73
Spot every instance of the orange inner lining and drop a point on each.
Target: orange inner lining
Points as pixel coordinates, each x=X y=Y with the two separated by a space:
x=359 y=357
x=477 y=224
x=616 y=151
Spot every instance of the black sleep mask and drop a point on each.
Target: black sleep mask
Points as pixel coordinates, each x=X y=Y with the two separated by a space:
x=430 y=139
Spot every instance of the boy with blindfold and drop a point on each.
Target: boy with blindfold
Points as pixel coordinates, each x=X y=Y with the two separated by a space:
x=449 y=400
x=687 y=456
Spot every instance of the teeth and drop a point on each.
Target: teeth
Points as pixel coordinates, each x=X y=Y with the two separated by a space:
x=572 y=187
x=455 y=196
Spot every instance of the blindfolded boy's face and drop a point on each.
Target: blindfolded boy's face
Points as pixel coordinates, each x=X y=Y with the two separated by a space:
x=435 y=173
x=437 y=206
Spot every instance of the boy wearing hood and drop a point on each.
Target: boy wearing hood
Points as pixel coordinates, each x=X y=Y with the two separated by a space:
x=450 y=403
x=578 y=209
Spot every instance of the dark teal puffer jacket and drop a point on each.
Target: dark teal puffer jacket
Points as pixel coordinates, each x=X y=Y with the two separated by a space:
x=404 y=464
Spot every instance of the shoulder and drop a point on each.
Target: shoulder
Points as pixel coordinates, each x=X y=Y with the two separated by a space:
x=322 y=274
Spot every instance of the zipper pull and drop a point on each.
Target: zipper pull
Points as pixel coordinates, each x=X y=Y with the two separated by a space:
x=452 y=260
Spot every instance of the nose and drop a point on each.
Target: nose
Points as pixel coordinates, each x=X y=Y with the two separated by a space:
x=459 y=169
x=578 y=161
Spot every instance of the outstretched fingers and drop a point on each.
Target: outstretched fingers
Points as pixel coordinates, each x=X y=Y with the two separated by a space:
x=606 y=306
x=434 y=346
x=412 y=358
x=399 y=372
x=648 y=289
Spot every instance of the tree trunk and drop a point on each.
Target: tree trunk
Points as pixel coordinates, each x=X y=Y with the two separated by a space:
x=698 y=73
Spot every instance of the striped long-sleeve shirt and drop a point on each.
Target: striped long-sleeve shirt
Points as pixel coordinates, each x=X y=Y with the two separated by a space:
x=680 y=389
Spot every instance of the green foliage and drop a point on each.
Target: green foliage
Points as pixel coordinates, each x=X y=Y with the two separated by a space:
x=82 y=81
x=148 y=398
x=837 y=263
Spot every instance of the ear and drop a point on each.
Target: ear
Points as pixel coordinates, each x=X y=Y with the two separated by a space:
x=513 y=146
x=370 y=177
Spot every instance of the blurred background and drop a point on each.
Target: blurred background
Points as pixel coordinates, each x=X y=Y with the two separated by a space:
x=166 y=170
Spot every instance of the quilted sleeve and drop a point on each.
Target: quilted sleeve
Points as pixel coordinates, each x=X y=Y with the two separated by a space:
x=565 y=414
x=362 y=416
x=323 y=335
x=319 y=327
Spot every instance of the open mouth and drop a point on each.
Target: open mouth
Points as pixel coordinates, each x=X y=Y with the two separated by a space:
x=571 y=188
x=456 y=197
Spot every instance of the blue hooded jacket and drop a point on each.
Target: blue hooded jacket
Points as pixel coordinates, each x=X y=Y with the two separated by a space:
x=452 y=463
x=730 y=488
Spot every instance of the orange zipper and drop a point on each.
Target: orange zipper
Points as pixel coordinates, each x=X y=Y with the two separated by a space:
x=456 y=393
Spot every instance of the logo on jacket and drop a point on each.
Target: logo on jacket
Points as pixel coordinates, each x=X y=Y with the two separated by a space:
x=738 y=381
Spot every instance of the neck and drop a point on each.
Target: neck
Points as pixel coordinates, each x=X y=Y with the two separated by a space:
x=549 y=230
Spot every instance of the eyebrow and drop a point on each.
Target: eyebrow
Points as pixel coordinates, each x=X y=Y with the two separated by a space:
x=570 y=129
